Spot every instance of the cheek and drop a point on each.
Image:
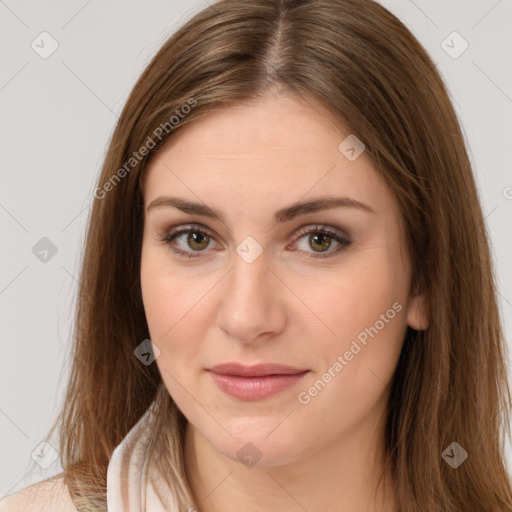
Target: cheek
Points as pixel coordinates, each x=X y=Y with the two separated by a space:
x=365 y=312
x=354 y=298
x=175 y=317
x=173 y=314
x=167 y=294
x=171 y=302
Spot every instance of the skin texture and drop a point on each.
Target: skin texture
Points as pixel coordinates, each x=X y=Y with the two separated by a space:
x=248 y=161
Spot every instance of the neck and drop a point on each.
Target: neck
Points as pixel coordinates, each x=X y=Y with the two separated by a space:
x=343 y=476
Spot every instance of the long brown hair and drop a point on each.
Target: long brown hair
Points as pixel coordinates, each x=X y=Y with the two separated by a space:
x=370 y=73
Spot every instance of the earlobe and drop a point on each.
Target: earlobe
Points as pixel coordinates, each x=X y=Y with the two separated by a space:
x=417 y=314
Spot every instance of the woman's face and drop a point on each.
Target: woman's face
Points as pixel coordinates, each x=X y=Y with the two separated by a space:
x=267 y=275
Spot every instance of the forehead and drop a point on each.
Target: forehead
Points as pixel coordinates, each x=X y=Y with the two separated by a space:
x=276 y=149
x=272 y=124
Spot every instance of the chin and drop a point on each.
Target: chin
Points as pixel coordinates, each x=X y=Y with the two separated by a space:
x=255 y=447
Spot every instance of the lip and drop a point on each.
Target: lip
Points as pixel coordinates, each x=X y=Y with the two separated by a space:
x=255 y=382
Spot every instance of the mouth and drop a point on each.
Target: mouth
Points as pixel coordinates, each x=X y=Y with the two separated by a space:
x=251 y=383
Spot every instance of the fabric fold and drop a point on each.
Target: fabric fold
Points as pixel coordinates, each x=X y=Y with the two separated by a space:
x=125 y=492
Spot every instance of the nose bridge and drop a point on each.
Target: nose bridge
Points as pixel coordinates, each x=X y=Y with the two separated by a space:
x=249 y=305
x=247 y=281
x=250 y=270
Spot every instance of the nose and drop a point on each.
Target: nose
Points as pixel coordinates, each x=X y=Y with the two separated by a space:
x=252 y=307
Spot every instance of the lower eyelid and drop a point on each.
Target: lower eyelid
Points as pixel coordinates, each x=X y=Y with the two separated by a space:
x=342 y=244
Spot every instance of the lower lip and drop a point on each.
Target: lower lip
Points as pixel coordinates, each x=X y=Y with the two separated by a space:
x=254 y=388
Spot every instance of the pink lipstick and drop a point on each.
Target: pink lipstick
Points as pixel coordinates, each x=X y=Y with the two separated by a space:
x=254 y=382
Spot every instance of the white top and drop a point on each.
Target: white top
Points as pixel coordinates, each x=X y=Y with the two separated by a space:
x=124 y=481
x=124 y=473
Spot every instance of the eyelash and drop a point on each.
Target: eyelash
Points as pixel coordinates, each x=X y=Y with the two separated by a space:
x=175 y=232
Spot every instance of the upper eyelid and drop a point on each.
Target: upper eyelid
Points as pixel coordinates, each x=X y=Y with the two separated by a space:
x=183 y=228
x=299 y=233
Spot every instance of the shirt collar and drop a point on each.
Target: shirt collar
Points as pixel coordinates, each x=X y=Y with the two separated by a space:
x=125 y=491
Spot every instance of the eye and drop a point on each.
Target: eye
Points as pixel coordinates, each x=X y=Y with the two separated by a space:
x=319 y=238
x=197 y=238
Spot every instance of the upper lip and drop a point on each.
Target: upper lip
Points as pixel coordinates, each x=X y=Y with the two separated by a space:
x=258 y=370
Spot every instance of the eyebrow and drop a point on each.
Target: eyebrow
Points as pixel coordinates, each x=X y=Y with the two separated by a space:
x=285 y=214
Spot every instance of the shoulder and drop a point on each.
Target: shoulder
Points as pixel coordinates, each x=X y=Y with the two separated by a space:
x=50 y=495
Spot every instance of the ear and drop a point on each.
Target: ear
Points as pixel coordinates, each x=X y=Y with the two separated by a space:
x=417 y=314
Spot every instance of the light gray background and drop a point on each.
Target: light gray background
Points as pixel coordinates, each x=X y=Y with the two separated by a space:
x=57 y=115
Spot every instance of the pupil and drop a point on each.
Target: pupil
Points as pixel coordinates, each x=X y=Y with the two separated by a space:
x=195 y=238
x=324 y=245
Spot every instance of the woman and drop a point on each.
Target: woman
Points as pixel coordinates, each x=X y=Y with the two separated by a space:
x=287 y=300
